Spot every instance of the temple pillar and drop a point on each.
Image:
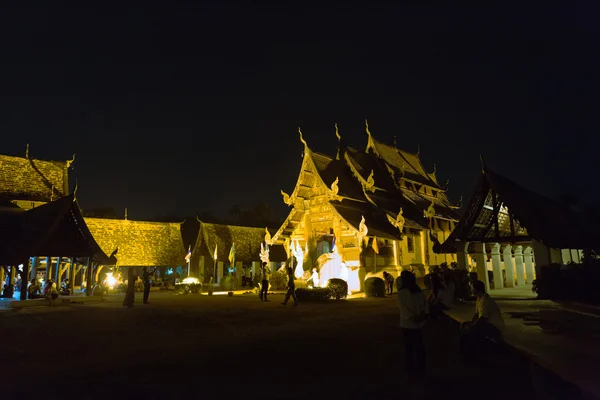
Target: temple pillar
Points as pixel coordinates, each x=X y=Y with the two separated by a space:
x=24 y=275
x=510 y=268
x=34 y=268
x=220 y=271
x=481 y=264
x=497 y=267
x=48 y=267
x=88 y=277
x=201 y=269
x=462 y=254
x=556 y=256
x=519 y=260
x=239 y=273
x=529 y=270
x=57 y=271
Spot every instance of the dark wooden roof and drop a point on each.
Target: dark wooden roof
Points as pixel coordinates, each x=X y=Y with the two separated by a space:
x=533 y=217
x=36 y=180
x=140 y=243
x=53 y=229
x=375 y=219
x=247 y=243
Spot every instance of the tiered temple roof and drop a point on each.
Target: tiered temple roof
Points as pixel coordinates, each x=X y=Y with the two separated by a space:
x=24 y=178
x=140 y=243
x=375 y=183
x=502 y=211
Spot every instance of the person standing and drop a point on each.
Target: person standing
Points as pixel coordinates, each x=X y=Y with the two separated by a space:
x=413 y=315
x=291 y=292
x=264 y=284
x=389 y=282
x=129 y=299
x=146 y=275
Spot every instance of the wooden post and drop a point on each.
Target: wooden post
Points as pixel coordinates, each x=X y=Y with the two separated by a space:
x=24 y=276
x=48 y=266
x=57 y=272
x=88 y=277
x=71 y=276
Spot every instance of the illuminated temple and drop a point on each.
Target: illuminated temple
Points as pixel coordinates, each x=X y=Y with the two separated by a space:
x=356 y=197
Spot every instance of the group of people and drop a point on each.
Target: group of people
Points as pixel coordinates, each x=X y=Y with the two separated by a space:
x=415 y=311
x=34 y=290
x=265 y=272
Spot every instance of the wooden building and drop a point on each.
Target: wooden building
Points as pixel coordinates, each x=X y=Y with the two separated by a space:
x=400 y=204
x=43 y=233
x=140 y=243
x=247 y=251
x=512 y=231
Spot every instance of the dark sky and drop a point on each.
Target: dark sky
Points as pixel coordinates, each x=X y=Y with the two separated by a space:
x=176 y=109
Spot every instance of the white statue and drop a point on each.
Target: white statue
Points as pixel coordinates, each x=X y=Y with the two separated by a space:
x=315 y=278
x=264 y=254
x=344 y=272
x=299 y=255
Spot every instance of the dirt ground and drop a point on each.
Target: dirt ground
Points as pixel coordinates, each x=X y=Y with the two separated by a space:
x=199 y=345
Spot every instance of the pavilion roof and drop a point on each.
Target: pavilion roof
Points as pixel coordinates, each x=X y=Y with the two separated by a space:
x=53 y=229
x=31 y=179
x=534 y=217
x=247 y=242
x=140 y=243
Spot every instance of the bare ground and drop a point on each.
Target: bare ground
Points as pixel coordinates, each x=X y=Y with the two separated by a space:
x=200 y=345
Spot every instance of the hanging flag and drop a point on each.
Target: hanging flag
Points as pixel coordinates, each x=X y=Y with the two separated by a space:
x=188 y=257
x=232 y=254
x=215 y=255
x=333 y=244
x=375 y=246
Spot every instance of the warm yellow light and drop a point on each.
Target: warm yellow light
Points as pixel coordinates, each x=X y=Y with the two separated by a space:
x=191 y=280
x=111 y=281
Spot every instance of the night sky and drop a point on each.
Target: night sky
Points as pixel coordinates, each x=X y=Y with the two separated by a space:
x=178 y=109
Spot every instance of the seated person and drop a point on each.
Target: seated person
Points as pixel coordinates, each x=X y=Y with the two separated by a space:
x=64 y=288
x=487 y=321
x=33 y=290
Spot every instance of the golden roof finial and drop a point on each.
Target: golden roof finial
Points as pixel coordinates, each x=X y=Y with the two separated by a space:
x=70 y=161
x=367 y=128
x=27 y=151
x=337 y=133
x=75 y=191
x=482 y=163
x=301 y=138
x=434 y=169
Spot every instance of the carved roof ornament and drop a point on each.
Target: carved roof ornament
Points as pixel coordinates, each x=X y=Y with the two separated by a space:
x=302 y=138
x=334 y=186
x=370 y=144
x=27 y=151
x=337 y=132
x=362 y=229
x=430 y=212
x=399 y=221
x=75 y=191
x=71 y=161
x=371 y=182
x=267 y=237
x=264 y=254
x=286 y=198
x=434 y=169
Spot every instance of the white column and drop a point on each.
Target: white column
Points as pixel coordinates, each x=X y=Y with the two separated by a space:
x=519 y=259
x=481 y=264
x=529 y=265
x=461 y=255
x=510 y=269
x=497 y=267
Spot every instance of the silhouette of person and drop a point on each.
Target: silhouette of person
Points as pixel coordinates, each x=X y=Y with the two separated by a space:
x=291 y=292
x=146 y=278
x=129 y=299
